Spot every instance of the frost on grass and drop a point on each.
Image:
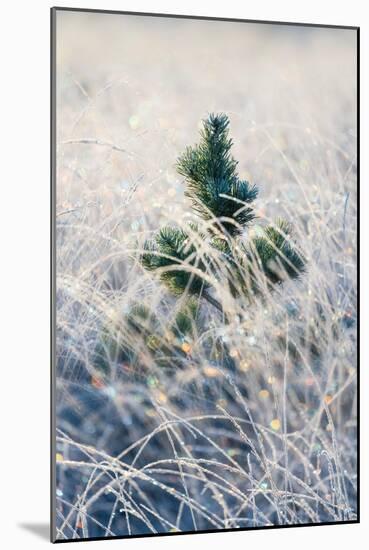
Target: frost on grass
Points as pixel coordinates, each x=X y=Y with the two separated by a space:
x=174 y=414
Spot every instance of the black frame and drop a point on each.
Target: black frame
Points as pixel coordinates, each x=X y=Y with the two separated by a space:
x=53 y=12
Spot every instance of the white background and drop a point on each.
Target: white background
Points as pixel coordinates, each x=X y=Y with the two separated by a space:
x=24 y=269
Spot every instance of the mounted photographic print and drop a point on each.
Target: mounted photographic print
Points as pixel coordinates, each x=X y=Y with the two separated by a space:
x=204 y=274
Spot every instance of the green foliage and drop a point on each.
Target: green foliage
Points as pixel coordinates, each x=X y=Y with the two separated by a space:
x=185 y=321
x=276 y=253
x=216 y=192
x=220 y=198
x=173 y=254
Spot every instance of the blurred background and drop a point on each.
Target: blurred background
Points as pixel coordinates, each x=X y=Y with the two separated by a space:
x=145 y=83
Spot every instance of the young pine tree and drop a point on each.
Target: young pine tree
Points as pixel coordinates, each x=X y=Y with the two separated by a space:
x=224 y=202
x=219 y=249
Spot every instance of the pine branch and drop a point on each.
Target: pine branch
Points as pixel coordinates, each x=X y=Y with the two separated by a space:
x=216 y=192
x=276 y=254
x=172 y=248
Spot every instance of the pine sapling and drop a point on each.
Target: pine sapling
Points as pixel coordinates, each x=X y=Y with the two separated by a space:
x=224 y=203
x=215 y=247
